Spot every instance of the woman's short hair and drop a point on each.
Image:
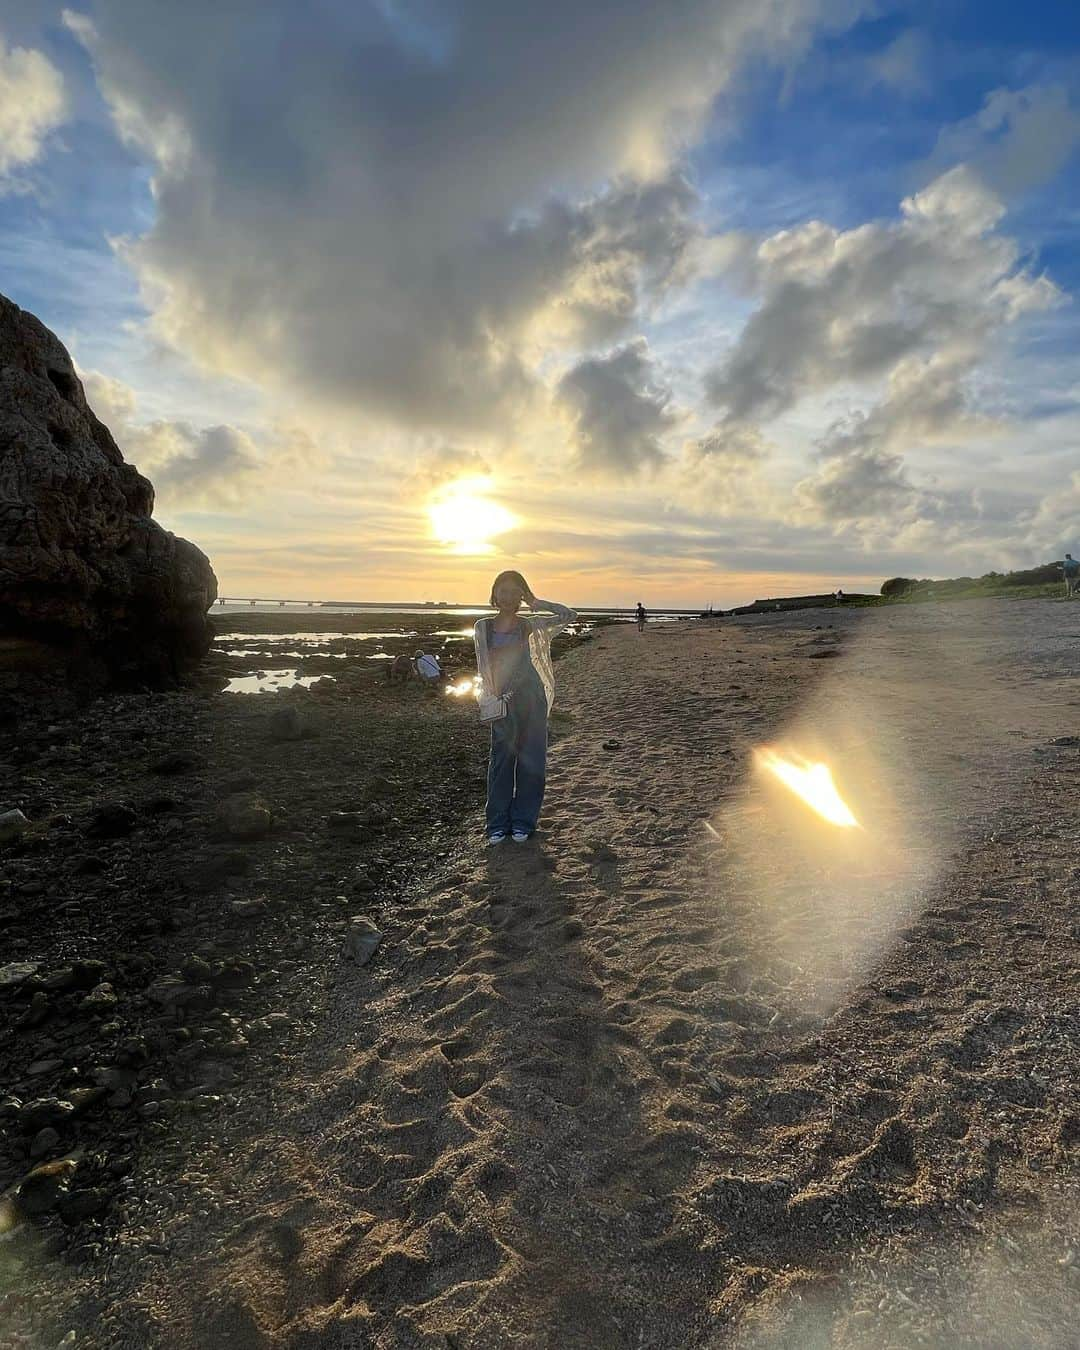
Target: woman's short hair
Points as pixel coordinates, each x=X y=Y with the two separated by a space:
x=507 y=576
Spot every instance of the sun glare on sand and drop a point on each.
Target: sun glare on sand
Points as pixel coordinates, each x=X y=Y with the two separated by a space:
x=811 y=782
x=467 y=520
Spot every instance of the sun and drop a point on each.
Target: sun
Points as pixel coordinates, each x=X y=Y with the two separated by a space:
x=467 y=520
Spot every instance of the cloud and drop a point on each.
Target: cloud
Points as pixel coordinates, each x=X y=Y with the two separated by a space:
x=620 y=408
x=212 y=467
x=208 y=466
x=863 y=475
x=902 y=65
x=446 y=464
x=847 y=306
x=414 y=209
x=1018 y=139
x=33 y=103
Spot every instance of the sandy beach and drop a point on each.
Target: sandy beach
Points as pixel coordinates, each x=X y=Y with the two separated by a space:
x=687 y=1070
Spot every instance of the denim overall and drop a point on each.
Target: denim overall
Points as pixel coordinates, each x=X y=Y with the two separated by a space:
x=518 y=762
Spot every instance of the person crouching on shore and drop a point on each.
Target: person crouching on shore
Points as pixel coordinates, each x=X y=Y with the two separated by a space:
x=516 y=691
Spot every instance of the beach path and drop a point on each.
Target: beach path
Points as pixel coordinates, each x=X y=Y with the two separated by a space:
x=633 y=1085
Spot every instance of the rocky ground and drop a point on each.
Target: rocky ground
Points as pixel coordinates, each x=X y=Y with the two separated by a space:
x=189 y=874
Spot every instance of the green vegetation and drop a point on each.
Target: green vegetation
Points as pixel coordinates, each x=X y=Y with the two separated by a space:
x=1030 y=584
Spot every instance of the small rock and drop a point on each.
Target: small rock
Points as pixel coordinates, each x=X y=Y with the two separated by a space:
x=16 y=973
x=286 y=724
x=13 y=824
x=111 y=820
x=57 y=981
x=75 y=1206
x=112 y=1079
x=245 y=817
x=613 y=745
x=345 y=822
x=235 y=974
x=361 y=941
x=195 y=969
x=228 y=863
x=9 y=1107
x=40 y=1066
x=249 y=909
x=45 y=1141
x=170 y=991
x=42 y=1111
x=82 y=1099
x=101 y=999
x=40 y=1189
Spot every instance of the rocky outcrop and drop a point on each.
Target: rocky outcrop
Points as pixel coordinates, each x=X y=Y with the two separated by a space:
x=87 y=579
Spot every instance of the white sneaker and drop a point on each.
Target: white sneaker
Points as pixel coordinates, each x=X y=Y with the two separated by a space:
x=520 y=836
x=497 y=837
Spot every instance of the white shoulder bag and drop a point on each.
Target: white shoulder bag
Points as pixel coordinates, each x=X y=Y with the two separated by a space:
x=493 y=706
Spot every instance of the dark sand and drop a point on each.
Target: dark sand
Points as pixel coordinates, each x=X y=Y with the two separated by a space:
x=643 y=1084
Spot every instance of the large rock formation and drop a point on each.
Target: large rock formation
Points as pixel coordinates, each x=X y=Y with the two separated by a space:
x=87 y=579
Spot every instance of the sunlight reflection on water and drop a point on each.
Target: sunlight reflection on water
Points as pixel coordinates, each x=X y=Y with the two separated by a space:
x=271 y=682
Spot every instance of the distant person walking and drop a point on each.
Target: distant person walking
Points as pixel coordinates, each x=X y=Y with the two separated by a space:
x=641 y=617
x=516 y=691
x=1072 y=575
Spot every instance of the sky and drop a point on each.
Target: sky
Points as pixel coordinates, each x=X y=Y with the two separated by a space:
x=691 y=303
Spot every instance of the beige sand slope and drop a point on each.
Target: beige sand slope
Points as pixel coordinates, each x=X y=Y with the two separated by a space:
x=638 y=1084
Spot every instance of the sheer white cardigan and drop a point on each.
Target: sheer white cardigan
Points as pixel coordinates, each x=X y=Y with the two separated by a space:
x=542 y=628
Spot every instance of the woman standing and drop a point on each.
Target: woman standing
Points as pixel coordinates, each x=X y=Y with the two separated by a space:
x=516 y=691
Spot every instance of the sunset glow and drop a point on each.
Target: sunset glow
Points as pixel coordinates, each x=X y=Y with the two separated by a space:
x=467 y=521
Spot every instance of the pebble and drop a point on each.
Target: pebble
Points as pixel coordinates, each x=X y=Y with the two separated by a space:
x=13 y=824
x=41 y=1188
x=78 y=1205
x=42 y=1111
x=16 y=973
x=41 y=1066
x=101 y=999
x=245 y=817
x=45 y=1141
x=249 y=909
x=362 y=940
x=345 y=822
x=111 y=820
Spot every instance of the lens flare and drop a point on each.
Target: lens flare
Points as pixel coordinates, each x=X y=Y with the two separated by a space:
x=811 y=782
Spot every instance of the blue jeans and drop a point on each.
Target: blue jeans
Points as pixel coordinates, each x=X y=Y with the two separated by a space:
x=518 y=763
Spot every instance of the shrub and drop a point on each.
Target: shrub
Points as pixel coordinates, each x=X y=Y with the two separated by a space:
x=897 y=586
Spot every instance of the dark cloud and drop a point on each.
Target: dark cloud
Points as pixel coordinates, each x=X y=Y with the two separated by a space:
x=621 y=410
x=400 y=207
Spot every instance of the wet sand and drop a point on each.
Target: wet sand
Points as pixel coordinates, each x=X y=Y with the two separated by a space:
x=643 y=1083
